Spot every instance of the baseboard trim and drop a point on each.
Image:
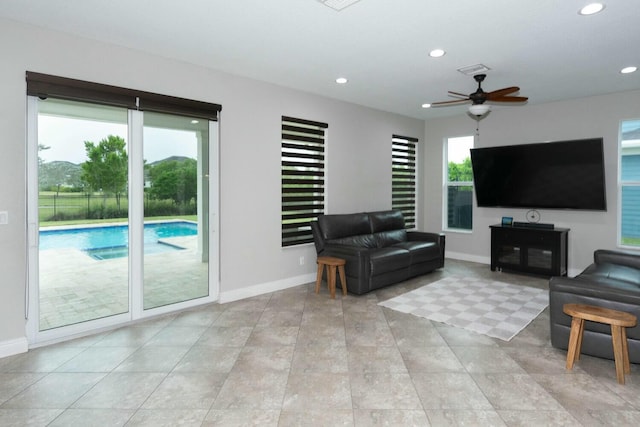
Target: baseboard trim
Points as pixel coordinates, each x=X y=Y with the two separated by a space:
x=11 y=347
x=466 y=257
x=264 y=288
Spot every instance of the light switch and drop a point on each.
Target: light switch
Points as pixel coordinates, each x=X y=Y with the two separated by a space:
x=4 y=217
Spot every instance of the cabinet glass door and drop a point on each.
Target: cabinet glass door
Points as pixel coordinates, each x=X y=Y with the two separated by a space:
x=539 y=258
x=509 y=254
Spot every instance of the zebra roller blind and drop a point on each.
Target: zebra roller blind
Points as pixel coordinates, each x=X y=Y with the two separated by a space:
x=403 y=178
x=302 y=153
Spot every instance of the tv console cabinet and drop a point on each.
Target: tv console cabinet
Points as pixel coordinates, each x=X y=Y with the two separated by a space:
x=539 y=251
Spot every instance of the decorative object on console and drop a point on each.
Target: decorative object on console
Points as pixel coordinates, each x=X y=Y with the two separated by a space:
x=533 y=215
x=507 y=221
x=496 y=309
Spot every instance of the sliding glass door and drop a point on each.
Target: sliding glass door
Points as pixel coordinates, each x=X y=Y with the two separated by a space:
x=176 y=209
x=120 y=203
x=82 y=212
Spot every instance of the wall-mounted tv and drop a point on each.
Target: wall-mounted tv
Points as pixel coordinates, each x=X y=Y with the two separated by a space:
x=548 y=175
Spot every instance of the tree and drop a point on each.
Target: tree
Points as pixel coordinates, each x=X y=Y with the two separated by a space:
x=174 y=180
x=461 y=172
x=106 y=167
x=42 y=147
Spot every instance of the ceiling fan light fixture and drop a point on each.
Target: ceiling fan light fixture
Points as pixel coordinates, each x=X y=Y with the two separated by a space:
x=338 y=4
x=479 y=109
x=591 y=9
x=471 y=70
x=426 y=105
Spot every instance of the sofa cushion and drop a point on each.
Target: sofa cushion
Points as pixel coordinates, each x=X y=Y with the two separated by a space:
x=363 y=241
x=386 y=220
x=384 y=260
x=420 y=251
x=390 y=238
x=344 y=225
x=614 y=272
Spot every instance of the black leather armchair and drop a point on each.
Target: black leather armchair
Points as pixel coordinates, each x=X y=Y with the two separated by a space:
x=378 y=249
x=612 y=281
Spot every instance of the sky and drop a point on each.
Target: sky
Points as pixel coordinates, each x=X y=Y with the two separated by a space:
x=458 y=148
x=66 y=137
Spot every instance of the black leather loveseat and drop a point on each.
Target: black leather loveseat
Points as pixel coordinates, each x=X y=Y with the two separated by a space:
x=378 y=249
x=612 y=281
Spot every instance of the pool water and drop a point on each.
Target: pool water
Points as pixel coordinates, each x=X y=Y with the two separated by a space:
x=123 y=251
x=113 y=241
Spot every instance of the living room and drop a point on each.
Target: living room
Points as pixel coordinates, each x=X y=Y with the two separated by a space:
x=252 y=261
x=353 y=184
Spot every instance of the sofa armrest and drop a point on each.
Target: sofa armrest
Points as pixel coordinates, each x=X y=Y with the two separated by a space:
x=358 y=265
x=619 y=257
x=438 y=238
x=425 y=236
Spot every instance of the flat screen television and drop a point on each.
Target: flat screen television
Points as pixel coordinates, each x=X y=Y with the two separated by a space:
x=548 y=175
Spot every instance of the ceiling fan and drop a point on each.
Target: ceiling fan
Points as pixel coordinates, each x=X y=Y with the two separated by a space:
x=479 y=97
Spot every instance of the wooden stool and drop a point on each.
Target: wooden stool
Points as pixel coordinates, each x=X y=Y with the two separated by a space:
x=331 y=263
x=618 y=320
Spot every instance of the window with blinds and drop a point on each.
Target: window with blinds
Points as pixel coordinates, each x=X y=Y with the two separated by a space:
x=302 y=155
x=403 y=178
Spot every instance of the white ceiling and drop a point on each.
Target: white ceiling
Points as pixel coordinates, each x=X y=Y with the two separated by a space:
x=381 y=46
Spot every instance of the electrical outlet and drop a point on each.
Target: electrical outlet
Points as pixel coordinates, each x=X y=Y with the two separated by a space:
x=301 y=260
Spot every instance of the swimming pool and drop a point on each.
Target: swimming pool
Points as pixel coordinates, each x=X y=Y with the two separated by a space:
x=112 y=241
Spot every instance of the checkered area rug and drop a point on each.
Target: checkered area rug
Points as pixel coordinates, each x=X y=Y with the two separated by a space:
x=496 y=309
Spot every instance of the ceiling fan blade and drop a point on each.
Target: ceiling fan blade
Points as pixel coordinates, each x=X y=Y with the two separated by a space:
x=510 y=99
x=448 y=103
x=462 y=95
x=502 y=92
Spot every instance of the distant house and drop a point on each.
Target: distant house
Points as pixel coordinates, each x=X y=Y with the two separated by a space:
x=630 y=178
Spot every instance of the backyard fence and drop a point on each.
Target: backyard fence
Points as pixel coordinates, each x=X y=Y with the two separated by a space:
x=73 y=206
x=59 y=207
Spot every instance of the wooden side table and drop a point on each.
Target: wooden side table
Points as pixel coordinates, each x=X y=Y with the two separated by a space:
x=618 y=320
x=331 y=264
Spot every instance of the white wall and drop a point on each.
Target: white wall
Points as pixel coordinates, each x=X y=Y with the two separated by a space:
x=583 y=118
x=358 y=157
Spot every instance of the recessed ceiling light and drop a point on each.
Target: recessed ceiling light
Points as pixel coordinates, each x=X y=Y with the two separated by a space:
x=591 y=9
x=341 y=80
x=426 y=105
x=194 y=122
x=627 y=70
x=437 y=53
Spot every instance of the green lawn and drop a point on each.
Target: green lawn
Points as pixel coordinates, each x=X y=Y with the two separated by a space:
x=631 y=241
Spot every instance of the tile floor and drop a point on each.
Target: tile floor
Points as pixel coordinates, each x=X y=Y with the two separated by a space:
x=294 y=358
